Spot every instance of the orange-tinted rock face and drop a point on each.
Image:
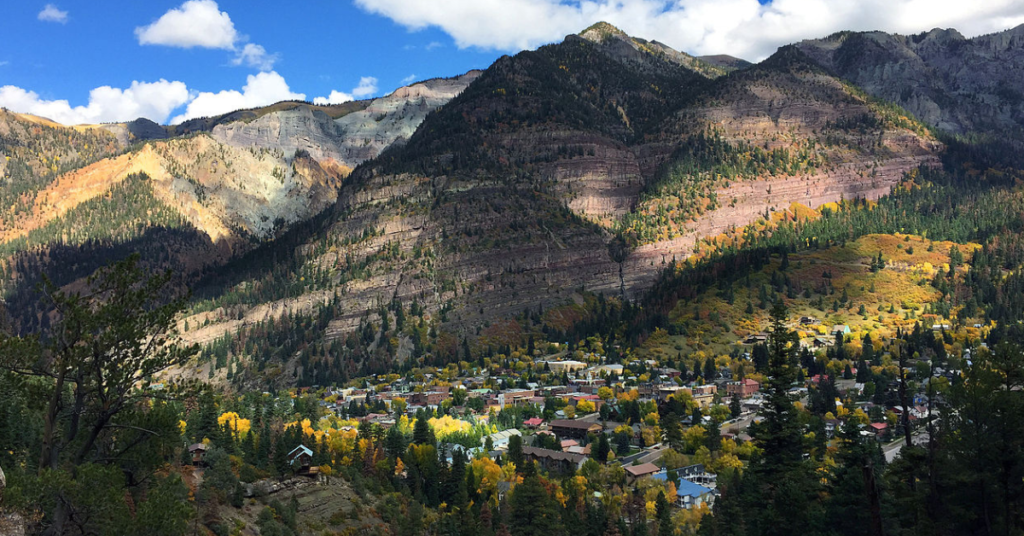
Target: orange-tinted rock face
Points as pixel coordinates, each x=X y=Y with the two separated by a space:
x=220 y=190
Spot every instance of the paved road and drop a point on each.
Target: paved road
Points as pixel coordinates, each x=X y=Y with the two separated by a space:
x=890 y=451
x=740 y=424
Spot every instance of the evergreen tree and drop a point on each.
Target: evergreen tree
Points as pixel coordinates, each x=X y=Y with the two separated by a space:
x=421 y=432
x=515 y=451
x=710 y=371
x=780 y=497
x=673 y=431
x=664 y=515
x=854 y=500
x=394 y=443
x=713 y=439
x=603 y=448
x=533 y=511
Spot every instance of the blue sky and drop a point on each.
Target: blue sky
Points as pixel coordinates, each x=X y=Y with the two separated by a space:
x=113 y=60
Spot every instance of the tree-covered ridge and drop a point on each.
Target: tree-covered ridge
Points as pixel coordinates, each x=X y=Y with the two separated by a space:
x=127 y=219
x=126 y=213
x=688 y=184
x=122 y=214
x=570 y=85
x=34 y=153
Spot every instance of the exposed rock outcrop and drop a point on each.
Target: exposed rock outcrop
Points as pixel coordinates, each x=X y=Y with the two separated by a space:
x=956 y=84
x=352 y=138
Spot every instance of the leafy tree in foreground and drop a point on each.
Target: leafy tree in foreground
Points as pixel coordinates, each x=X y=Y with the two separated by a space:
x=92 y=375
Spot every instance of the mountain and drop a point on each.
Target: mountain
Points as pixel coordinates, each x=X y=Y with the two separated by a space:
x=243 y=174
x=587 y=164
x=347 y=139
x=143 y=129
x=726 y=61
x=956 y=84
x=516 y=193
x=243 y=179
x=647 y=55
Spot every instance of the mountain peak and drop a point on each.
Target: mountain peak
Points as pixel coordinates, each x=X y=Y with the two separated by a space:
x=601 y=31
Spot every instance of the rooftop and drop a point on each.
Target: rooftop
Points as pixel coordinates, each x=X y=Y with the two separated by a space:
x=642 y=469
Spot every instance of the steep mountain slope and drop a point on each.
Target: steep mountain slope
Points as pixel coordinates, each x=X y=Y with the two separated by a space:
x=726 y=61
x=349 y=139
x=143 y=129
x=254 y=174
x=647 y=56
x=783 y=131
x=34 y=151
x=956 y=84
x=512 y=195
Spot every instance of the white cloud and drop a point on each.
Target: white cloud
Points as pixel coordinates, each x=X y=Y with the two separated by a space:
x=408 y=79
x=260 y=90
x=201 y=23
x=744 y=28
x=336 y=97
x=366 y=88
x=197 y=23
x=152 y=100
x=432 y=45
x=50 y=13
x=255 y=56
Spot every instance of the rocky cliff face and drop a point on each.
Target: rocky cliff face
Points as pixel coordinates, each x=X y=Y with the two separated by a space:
x=253 y=174
x=223 y=191
x=956 y=84
x=301 y=128
x=352 y=138
x=393 y=119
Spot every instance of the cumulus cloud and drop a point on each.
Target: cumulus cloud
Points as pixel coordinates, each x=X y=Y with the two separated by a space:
x=152 y=100
x=336 y=97
x=260 y=90
x=255 y=56
x=196 y=23
x=50 y=13
x=201 y=23
x=367 y=88
x=744 y=28
x=408 y=79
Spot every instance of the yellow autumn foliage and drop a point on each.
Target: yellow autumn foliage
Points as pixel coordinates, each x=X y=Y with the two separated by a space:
x=585 y=406
x=446 y=426
x=239 y=425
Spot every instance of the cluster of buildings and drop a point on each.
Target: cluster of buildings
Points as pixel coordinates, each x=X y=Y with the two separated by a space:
x=573 y=435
